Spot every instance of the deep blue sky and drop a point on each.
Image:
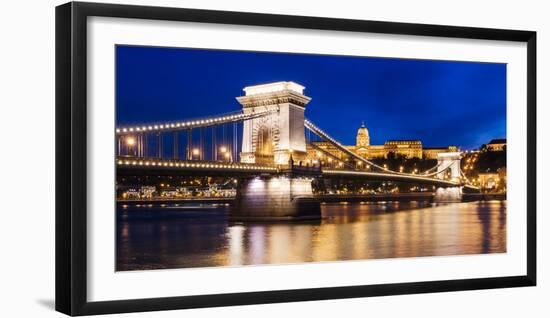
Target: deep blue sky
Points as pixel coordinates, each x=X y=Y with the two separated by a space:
x=439 y=102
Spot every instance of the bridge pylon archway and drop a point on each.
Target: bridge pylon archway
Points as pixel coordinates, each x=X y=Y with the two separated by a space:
x=283 y=128
x=449 y=161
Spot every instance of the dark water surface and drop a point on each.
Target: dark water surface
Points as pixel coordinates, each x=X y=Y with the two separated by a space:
x=195 y=235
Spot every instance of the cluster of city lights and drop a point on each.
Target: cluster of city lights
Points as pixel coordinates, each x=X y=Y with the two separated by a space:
x=470 y=162
x=195 y=165
x=330 y=158
x=192 y=123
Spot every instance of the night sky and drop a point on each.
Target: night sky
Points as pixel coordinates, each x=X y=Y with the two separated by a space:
x=438 y=102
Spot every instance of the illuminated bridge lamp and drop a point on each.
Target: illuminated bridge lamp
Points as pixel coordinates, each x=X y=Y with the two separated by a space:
x=130 y=141
x=195 y=152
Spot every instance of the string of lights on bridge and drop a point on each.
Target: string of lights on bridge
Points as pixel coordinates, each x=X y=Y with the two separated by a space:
x=197 y=165
x=195 y=123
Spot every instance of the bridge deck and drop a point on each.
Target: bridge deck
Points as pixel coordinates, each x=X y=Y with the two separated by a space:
x=151 y=166
x=389 y=177
x=158 y=166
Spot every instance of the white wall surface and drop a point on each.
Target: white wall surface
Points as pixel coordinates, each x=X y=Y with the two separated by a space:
x=27 y=146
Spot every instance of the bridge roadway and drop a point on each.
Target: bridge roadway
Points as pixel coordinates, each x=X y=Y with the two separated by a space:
x=157 y=167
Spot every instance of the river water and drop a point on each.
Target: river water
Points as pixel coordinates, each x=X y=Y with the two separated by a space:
x=195 y=235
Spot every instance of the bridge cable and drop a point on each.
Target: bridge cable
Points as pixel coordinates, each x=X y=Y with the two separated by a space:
x=200 y=122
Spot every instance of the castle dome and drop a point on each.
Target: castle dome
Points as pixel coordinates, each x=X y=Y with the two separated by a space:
x=363 y=139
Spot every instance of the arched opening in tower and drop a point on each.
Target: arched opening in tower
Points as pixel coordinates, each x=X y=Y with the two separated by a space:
x=264 y=146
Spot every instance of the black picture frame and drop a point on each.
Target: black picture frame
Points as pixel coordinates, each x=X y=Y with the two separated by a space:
x=71 y=162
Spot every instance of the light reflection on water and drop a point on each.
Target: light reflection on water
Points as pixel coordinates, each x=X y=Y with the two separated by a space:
x=201 y=236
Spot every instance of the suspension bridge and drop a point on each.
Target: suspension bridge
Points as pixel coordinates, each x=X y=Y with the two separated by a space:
x=272 y=149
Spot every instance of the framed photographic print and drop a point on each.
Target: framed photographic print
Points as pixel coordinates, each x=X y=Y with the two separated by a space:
x=209 y=158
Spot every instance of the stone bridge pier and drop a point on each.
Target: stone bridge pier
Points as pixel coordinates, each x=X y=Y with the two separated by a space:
x=275 y=198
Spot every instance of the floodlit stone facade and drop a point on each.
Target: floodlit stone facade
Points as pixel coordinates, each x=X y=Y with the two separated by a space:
x=280 y=135
x=406 y=148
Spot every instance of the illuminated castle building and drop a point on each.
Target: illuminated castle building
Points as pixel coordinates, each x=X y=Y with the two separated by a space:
x=363 y=139
x=398 y=148
x=497 y=145
x=404 y=148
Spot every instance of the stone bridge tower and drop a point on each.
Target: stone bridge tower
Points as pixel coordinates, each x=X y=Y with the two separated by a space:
x=449 y=161
x=273 y=138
